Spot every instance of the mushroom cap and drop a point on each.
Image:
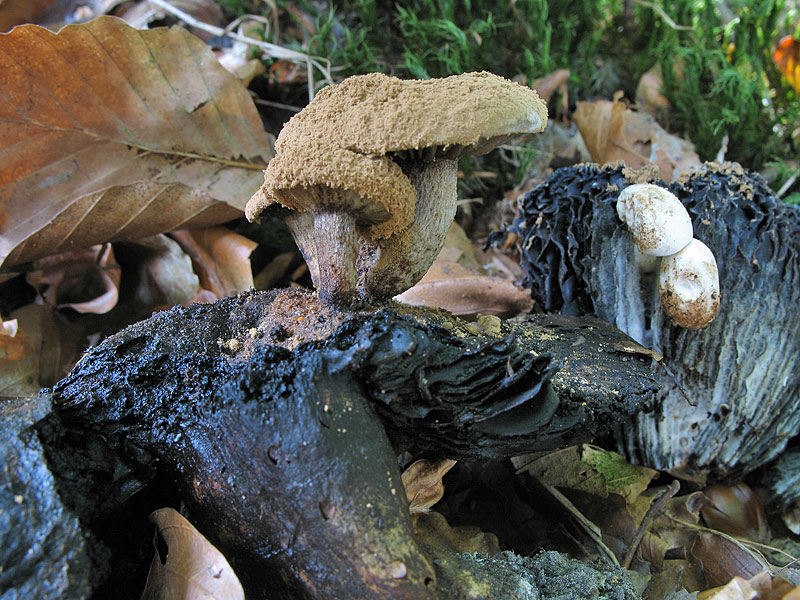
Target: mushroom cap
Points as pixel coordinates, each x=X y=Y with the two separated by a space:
x=314 y=176
x=377 y=114
x=658 y=221
x=688 y=285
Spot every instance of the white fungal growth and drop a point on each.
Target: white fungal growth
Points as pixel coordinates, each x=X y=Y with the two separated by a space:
x=658 y=221
x=688 y=285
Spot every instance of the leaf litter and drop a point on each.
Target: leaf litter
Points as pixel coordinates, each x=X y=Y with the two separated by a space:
x=103 y=168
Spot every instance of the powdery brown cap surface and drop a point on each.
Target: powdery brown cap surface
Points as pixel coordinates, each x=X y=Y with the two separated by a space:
x=375 y=114
x=314 y=175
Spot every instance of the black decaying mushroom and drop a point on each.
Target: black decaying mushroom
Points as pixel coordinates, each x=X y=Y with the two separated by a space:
x=743 y=370
x=283 y=458
x=370 y=233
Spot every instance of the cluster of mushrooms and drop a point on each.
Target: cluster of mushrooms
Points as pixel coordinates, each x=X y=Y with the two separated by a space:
x=366 y=176
x=688 y=279
x=368 y=171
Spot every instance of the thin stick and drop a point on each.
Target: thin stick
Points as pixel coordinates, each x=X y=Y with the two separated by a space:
x=666 y=18
x=654 y=509
x=785 y=187
x=277 y=105
x=272 y=50
x=588 y=526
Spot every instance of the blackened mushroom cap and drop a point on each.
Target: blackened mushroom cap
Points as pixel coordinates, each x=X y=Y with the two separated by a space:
x=377 y=114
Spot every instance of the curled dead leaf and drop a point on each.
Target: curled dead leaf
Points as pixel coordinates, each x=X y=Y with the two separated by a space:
x=432 y=529
x=423 y=483
x=193 y=569
x=220 y=257
x=737 y=511
x=161 y=272
x=762 y=586
x=723 y=558
x=86 y=281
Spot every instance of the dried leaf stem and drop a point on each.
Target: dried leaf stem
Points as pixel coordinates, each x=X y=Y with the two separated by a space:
x=654 y=509
x=588 y=526
x=273 y=50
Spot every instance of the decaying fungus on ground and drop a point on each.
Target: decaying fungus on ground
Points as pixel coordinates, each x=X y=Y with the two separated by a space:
x=741 y=371
x=287 y=460
x=351 y=159
x=688 y=281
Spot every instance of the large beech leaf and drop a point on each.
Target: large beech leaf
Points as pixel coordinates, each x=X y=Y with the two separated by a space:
x=111 y=133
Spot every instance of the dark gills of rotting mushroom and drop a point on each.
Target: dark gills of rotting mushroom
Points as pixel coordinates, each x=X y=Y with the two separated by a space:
x=402 y=259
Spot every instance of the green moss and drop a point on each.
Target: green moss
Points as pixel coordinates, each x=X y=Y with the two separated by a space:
x=725 y=83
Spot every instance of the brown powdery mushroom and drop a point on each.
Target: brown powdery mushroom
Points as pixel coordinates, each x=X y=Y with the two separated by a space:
x=416 y=130
x=335 y=192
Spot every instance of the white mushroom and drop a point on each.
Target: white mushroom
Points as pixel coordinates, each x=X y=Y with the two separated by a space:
x=688 y=285
x=658 y=221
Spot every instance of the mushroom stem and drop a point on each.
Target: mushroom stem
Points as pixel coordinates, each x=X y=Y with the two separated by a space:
x=330 y=249
x=301 y=225
x=405 y=257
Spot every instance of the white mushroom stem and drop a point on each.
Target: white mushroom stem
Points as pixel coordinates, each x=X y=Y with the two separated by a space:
x=402 y=259
x=688 y=285
x=658 y=221
x=330 y=248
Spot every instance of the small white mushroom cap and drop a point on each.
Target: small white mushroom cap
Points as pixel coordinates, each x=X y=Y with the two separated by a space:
x=658 y=221
x=688 y=285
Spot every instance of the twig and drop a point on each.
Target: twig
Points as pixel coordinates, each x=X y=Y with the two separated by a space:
x=277 y=105
x=654 y=509
x=591 y=529
x=664 y=16
x=785 y=187
x=663 y=365
x=272 y=50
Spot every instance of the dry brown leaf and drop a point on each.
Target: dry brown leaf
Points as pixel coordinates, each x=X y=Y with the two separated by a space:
x=736 y=510
x=41 y=351
x=546 y=86
x=423 y=483
x=193 y=568
x=142 y=14
x=564 y=469
x=86 y=281
x=674 y=528
x=109 y=133
x=16 y=12
x=220 y=257
x=432 y=529
x=736 y=589
x=162 y=272
x=723 y=559
x=648 y=91
x=274 y=271
x=459 y=248
x=465 y=293
x=614 y=132
x=762 y=586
